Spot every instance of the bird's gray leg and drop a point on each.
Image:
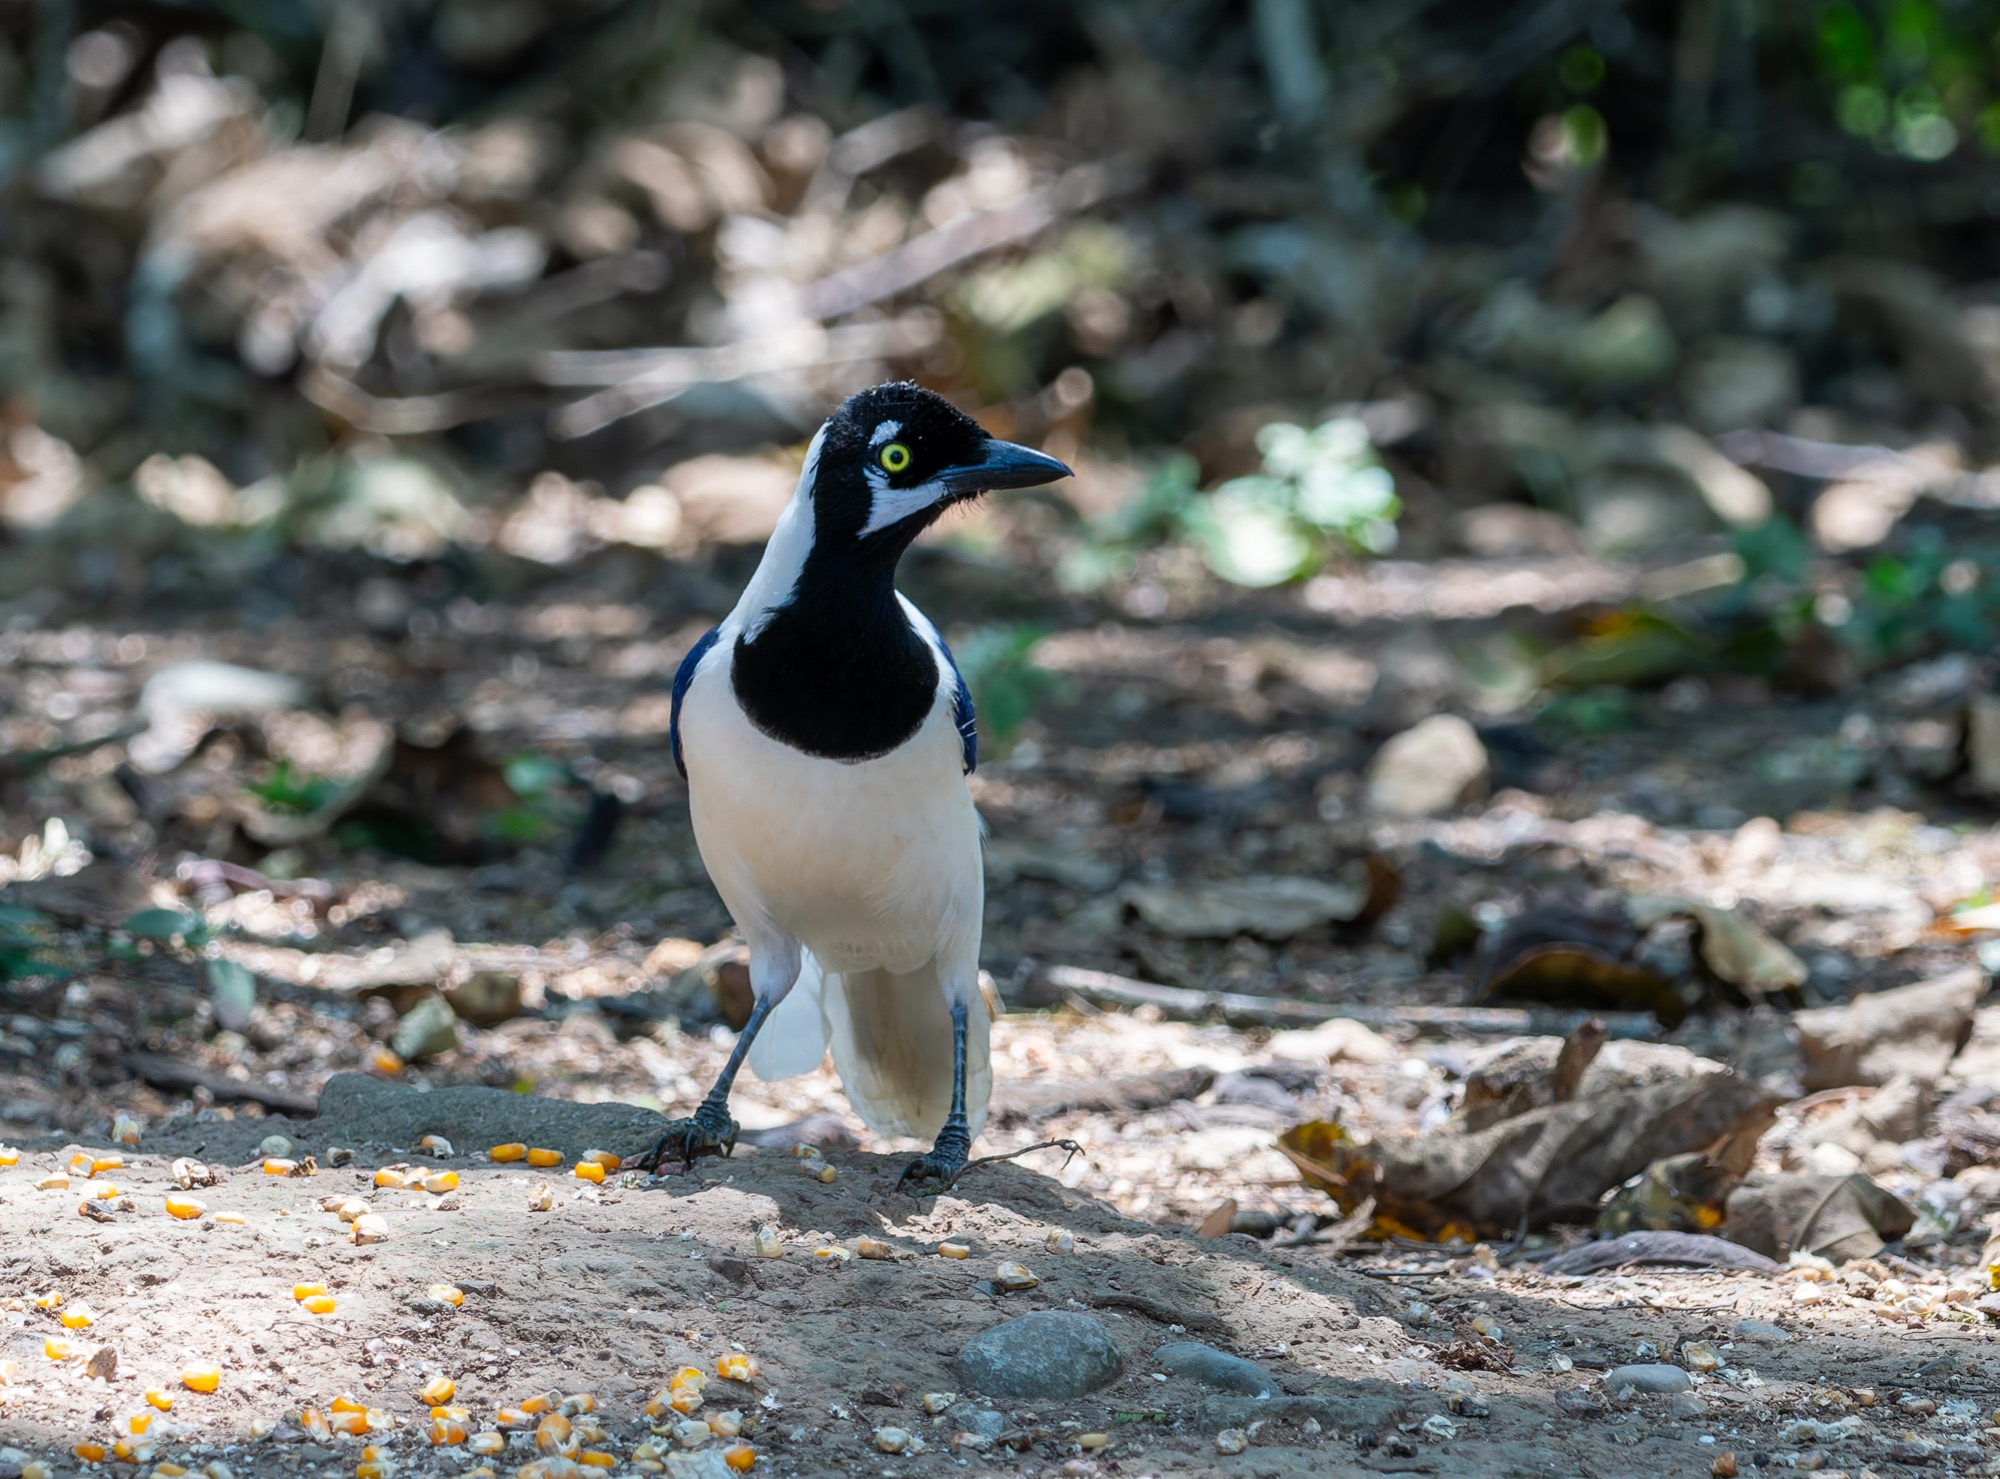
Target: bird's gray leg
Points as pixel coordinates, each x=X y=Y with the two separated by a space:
x=774 y=968
x=954 y=1142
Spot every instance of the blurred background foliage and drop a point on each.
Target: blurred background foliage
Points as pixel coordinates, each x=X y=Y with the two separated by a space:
x=472 y=289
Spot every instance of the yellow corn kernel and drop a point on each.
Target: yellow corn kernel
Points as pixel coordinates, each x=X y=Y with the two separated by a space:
x=79 y=1164
x=537 y=1156
x=9 y=1155
x=314 y=1422
x=371 y=1454
x=514 y=1417
x=577 y=1402
x=125 y=1130
x=345 y=1403
x=201 y=1376
x=445 y=1433
x=277 y=1165
x=589 y=1171
x=100 y=1164
x=438 y=1391
x=55 y=1181
x=684 y=1400
x=609 y=1159
x=307 y=1291
x=90 y=1453
x=487 y=1444
x=542 y=1198
x=379 y=1420
x=440 y=1182
x=739 y=1456
x=513 y=1150
x=384 y=1061
x=953 y=1250
x=592 y=1458
x=370 y=1227
x=552 y=1432
x=318 y=1304
x=168 y=1469
x=156 y=1397
x=448 y=1294
x=234 y=1219
x=185 y=1208
x=735 y=1366
x=48 y=1301
x=140 y=1421
x=725 y=1424
x=56 y=1348
x=541 y=1402
x=127 y=1452
x=390 y=1178
x=371 y=1470
x=354 y=1424
x=77 y=1317
x=435 y=1145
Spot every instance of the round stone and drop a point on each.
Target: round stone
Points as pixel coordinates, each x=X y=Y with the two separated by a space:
x=1046 y=1356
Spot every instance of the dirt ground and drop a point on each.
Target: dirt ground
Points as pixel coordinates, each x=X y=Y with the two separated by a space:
x=615 y=1287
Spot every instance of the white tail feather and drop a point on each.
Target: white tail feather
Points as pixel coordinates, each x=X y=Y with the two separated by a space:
x=891 y=1038
x=793 y=1038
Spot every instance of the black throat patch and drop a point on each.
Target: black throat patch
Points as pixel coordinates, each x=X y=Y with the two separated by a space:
x=837 y=671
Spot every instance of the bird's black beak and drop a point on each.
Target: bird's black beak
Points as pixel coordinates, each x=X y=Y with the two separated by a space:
x=1002 y=465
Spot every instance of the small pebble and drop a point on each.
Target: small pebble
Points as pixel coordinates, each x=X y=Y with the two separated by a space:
x=1440 y=1427
x=767 y=1243
x=1699 y=1355
x=1047 y=1356
x=1649 y=1378
x=274 y=1145
x=891 y=1440
x=935 y=1402
x=370 y=1227
x=1014 y=1276
x=1059 y=1241
x=1686 y=1405
x=1762 y=1331
x=872 y=1248
x=954 y=1250
x=1231 y=1440
x=1724 y=1466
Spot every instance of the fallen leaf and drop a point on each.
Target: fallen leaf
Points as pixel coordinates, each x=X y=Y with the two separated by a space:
x=1654 y=1249
x=1914 y=1030
x=1836 y=1217
x=1561 y=955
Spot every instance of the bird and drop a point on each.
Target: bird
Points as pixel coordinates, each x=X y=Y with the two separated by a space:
x=826 y=734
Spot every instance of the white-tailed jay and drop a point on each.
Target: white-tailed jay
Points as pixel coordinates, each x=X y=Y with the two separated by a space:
x=826 y=734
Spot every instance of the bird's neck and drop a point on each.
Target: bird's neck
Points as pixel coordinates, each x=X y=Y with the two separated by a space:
x=835 y=669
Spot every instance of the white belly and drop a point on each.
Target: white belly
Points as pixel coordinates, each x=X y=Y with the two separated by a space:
x=867 y=865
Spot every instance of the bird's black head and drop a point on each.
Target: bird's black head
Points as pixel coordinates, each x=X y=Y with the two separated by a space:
x=894 y=457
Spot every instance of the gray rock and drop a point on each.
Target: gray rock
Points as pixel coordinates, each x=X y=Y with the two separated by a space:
x=1650 y=1377
x=427 y=1029
x=1047 y=1356
x=985 y=1422
x=1427 y=770
x=1214 y=1368
x=1687 y=1405
x=1761 y=1331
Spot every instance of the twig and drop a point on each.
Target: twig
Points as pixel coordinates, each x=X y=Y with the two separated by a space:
x=1072 y=1149
x=1105 y=989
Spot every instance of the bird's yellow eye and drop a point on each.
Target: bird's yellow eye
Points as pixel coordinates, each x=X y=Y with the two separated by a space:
x=895 y=457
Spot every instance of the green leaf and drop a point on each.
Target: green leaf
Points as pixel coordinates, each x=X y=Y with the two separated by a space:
x=232 y=990
x=161 y=924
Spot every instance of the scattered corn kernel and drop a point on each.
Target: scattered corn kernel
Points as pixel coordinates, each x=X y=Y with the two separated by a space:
x=384 y=1061
x=736 y=1366
x=954 y=1250
x=56 y=1348
x=1059 y=1241
x=935 y=1402
x=514 y=1417
x=185 y=1208
x=593 y=1458
x=725 y=1424
x=609 y=1159
x=79 y=1164
x=833 y=1255
x=90 y=1453
x=589 y=1171
x=48 y=1301
x=577 y=1402
x=438 y=1391
x=77 y=1317
x=552 y=1432
x=318 y=1304
x=307 y=1291
x=167 y=1469
x=371 y=1469
x=440 y=1182
x=539 y=1403
x=826 y=1175
x=314 y=1422
x=487 y=1444
x=353 y=1424
x=1013 y=1276
x=891 y=1440
x=9 y=1155
x=278 y=1165
x=691 y=1433
x=201 y=1376
x=368 y=1228
x=56 y=1181
x=537 y=1156
x=446 y=1433
x=235 y=1219
x=140 y=1421
x=125 y=1130
x=739 y=1456
x=160 y=1398
x=391 y=1178
x=34 y=1468
x=1092 y=1442
x=872 y=1248
x=350 y=1208
x=542 y=1198
x=436 y=1145
x=129 y=1451
x=448 y=1294
x=767 y=1242
x=513 y=1150
x=1231 y=1440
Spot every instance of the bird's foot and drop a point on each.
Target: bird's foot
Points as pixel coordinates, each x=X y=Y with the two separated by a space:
x=946 y=1159
x=708 y=1131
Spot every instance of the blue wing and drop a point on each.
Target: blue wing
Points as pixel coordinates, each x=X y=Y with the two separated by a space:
x=685 y=676
x=961 y=712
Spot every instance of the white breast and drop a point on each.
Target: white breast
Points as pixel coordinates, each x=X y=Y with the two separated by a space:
x=871 y=864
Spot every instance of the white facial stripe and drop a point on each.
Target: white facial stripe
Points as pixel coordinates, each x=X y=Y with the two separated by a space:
x=784 y=556
x=887 y=505
x=883 y=432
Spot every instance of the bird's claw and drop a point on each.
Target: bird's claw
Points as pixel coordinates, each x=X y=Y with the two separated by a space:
x=708 y=1131
x=946 y=1159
